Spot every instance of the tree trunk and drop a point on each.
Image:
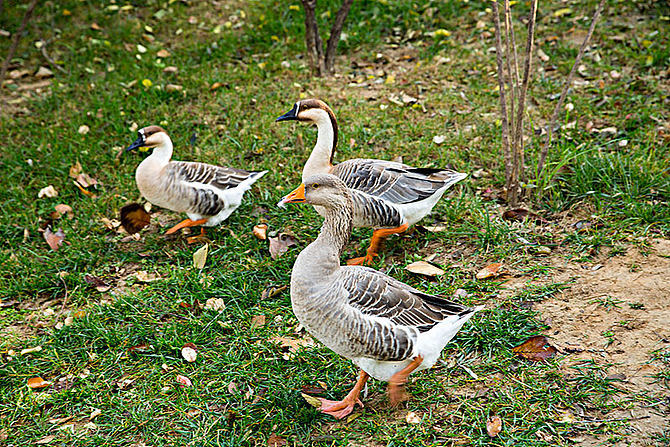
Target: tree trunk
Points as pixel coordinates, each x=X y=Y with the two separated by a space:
x=313 y=40
x=335 y=33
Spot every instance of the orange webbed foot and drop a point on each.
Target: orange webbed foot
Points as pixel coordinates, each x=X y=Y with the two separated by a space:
x=363 y=260
x=338 y=409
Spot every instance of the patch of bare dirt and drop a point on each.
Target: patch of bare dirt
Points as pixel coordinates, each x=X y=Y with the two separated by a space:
x=618 y=312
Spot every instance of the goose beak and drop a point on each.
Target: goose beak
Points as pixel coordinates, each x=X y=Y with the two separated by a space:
x=290 y=115
x=137 y=143
x=296 y=196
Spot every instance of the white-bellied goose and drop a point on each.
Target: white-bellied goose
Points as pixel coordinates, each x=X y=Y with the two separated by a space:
x=208 y=194
x=387 y=328
x=387 y=196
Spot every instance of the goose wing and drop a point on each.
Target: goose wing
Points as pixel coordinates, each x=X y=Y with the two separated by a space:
x=207 y=176
x=376 y=294
x=395 y=182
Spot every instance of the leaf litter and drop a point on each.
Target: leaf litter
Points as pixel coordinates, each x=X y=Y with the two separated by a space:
x=536 y=349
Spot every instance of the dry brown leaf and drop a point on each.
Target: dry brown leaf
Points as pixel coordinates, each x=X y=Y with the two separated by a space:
x=96 y=27
x=75 y=170
x=170 y=69
x=313 y=401
x=424 y=268
x=134 y=217
x=55 y=240
x=280 y=244
x=46 y=440
x=86 y=180
x=143 y=276
x=261 y=231
x=216 y=304
x=31 y=350
x=184 y=381
x=519 y=214
x=257 y=321
x=272 y=291
x=43 y=72
x=83 y=190
x=83 y=129
x=215 y=86
x=536 y=349
x=163 y=53
x=490 y=271
x=293 y=344
x=173 y=88
x=37 y=382
x=64 y=209
x=276 y=441
x=100 y=285
x=94 y=414
x=493 y=426
x=48 y=191
x=189 y=352
x=412 y=418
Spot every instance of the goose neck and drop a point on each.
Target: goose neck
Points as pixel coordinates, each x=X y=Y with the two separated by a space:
x=321 y=158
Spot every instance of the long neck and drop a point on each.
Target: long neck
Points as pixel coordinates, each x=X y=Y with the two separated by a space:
x=162 y=153
x=323 y=255
x=321 y=159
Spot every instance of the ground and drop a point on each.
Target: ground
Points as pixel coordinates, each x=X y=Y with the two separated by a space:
x=103 y=319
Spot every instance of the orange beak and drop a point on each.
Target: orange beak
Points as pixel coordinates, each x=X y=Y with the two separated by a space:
x=295 y=196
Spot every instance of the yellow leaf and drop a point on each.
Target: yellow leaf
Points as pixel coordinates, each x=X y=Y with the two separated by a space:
x=563 y=11
x=294 y=8
x=147 y=83
x=275 y=38
x=442 y=33
x=424 y=268
x=200 y=256
x=313 y=401
x=390 y=79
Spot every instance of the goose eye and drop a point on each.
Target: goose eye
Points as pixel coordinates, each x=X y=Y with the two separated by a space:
x=315 y=185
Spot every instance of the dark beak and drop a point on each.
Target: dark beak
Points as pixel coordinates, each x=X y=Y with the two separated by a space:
x=137 y=143
x=290 y=115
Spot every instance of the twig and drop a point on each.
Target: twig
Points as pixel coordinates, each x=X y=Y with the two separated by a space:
x=17 y=38
x=501 y=88
x=568 y=82
x=43 y=49
x=513 y=77
x=508 y=14
x=521 y=106
x=313 y=39
x=335 y=32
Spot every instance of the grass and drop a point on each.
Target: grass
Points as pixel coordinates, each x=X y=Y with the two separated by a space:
x=244 y=390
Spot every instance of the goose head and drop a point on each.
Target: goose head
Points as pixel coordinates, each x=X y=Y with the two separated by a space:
x=151 y=136
x=324 y=190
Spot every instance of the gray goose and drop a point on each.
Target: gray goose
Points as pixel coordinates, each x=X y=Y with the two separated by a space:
x=387 y=328
x=387 y=196
x=208 y=194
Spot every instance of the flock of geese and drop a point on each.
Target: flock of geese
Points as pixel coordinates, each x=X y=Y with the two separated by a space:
x=387 y=328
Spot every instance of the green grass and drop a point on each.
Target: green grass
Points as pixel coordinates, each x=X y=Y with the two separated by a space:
x=623 y=188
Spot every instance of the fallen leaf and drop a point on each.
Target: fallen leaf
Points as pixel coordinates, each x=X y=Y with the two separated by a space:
x=134 y=217
x=96 y=27
x=184 y=381
x=439 y=139
x=536 y=349
x=173 y=88
x=139 y=348
x=83 y=129
x=64 y=209
x=276 y=441
x=280 y=244
x=46 y=440
x=293 y=344
x=84 y=190
x=424 y=268
x=163 y=53
x=43 y=72
x=215 y=86
x=493 y=426
x=200 y=256
x=143 y=276
x=232 y=387
x=313 y=389
x=189 y=353
x=412 y=418
x=170 y=69
x=272 y=291
x=261 y=231
x=31 y=350
x=100 y=285
x=257 y=321
x=55 y=240
x=75 y=169
x=86 y=180
x=490 y=271
x=94 y=414
x=37 y=382
x=216 y=304
x=313 y=401
x=48 y=191
x=561 y=12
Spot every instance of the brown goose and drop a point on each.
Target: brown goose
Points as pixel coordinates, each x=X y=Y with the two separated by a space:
x=208 y=194
x=387 y=196
x=387 y=328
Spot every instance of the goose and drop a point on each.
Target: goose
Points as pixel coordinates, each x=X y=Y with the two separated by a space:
x=387 y=328
x=208 y=194
x=387 y=196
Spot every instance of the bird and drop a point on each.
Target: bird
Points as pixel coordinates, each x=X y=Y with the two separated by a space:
x=208 y=194
x=388 y=196
x=384 y=326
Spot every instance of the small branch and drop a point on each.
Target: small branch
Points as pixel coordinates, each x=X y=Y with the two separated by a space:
x=566 y=87
x=313 y=39
x=521 y=106
x=335 y=33
x=513 y=77
x=17 y=38
x=51 y=62
x=501 y=88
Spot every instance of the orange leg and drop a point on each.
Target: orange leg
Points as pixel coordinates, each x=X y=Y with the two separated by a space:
x=397 y=383
x=184 y=224
x=343 y=408
x=198 y=238
x=378 y=237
